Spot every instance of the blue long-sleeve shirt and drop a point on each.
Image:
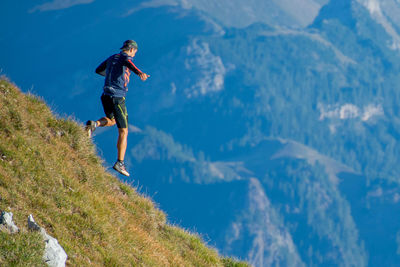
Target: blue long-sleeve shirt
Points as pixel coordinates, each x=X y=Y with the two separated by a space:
x=117 y=69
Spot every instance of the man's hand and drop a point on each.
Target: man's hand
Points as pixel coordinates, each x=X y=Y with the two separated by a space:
x=144 y=76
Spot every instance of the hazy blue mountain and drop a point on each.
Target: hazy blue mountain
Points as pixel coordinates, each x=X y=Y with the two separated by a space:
x=235 y=13
x=329 y=86
x=269 y=127
x=277 y=185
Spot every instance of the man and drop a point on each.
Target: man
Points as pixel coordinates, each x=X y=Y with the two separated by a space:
x=117 y=69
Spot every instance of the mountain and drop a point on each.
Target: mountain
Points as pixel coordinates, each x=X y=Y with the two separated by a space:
x=282 y=197
x=295 y=13
x=330 y=90
x=48 y=168
x=269 y=127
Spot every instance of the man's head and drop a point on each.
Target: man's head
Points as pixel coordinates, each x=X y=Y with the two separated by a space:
x=130 y=47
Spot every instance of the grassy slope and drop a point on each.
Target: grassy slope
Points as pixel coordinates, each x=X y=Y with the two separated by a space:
x=48 y=168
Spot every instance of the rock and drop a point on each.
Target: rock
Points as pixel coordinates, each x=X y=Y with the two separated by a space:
x=7 y=224
x=32 y=225
x=54 y=254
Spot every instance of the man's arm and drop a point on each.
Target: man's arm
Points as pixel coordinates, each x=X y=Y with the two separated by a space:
x=135 y=69
x=132 y=67
x=101 y=69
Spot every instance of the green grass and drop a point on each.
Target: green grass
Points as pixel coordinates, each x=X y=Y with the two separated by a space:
x=48 y=168
x=14 y=252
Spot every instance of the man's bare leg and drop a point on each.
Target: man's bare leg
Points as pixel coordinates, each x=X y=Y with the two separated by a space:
x=119 y=166
x=105 y=122
x=122 y=143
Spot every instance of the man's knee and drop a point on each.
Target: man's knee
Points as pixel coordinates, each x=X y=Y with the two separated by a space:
x=123 y=131
x=106 y=121
x=111 y=122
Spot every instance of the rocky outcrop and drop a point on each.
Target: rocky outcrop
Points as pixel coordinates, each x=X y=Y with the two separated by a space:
x=54 y=254
x=7 y=224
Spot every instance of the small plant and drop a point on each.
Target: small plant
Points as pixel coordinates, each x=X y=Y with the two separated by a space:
x=229 y=262
x=126 y=189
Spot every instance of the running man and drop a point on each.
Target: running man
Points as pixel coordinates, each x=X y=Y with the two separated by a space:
x=117 y=69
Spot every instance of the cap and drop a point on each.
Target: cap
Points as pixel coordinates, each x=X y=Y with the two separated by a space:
x=128 y=44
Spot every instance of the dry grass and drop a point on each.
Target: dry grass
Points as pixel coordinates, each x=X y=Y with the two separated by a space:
x=48 y=168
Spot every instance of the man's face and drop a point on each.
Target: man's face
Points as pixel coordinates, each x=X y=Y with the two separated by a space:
x=132 y=52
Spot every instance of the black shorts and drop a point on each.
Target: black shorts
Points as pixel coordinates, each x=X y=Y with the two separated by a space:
x=114 y=108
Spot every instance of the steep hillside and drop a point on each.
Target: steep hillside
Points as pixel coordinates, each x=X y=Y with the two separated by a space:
x=48 y=168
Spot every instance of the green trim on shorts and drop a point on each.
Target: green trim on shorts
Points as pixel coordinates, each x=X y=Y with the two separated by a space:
x=124 y=114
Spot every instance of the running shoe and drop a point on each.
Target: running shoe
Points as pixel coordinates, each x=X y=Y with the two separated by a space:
x=119 y=166
x=90 y=127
